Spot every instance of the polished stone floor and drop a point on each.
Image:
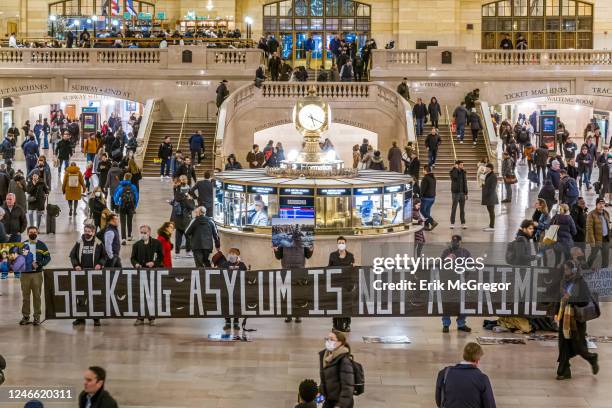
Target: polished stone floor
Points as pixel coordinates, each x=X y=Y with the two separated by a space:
x=172 y=365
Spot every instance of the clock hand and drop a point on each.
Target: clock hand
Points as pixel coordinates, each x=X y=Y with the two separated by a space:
x=312 y=118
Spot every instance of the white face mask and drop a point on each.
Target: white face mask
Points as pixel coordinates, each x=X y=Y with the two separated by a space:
x=98 y=194
x=341 y=247
x=232 y=258
x=144 y=237
x=330 y=345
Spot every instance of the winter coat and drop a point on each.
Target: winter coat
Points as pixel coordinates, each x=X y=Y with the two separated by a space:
x=113 y=178
x=166 y=250
x=568 y=190
x=458 y=181
x=377 y=164
x=183 y=219
x=395 y=159
x=337 y=380
x=579 y=216
x=419 y=111
x=203 y=232
x=5 y=180
x=461 y=115
x=91 y=146
x=475 y=123
x=594 y=234
x=555 y=178
x=15 y=220
x=73 y=193
x=585 y=161
x=63 y=150
x=39 y=191
x=434 y=111
x=99 y=256
x=567 y=229
x=143 y=253
x=165 y=151
x=548 y=193
x=18 y=186
x=507 y=167
x=523 y=249
x=489 y=190
x=428 y=186
x=117 y=195
x=432 y=141
x=541 y=157
x=102 y=399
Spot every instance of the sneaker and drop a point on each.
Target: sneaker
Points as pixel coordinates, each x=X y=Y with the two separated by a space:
x=3 y=277
x=24 y=321
x=474 y=143
x=236 y=326
x=464 y=329
x=445 y=329
x=488 y=229
x=139 y=322
x=461 y=142
x=97 y=323
x=463 y=226
x=452 y=226
x=162 y=178
x=130 y=238
x=564 y=377
x=123 y=242
x=434 y=224
x=152 y=322
x=78 y=322
x=227 y=326
x=189 y=255
x=595 y=365
x=36 y=321
x=298 y=320
x=288 y=320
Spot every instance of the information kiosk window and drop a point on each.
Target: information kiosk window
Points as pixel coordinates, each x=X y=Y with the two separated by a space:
x=333 y=208
x=367 y=206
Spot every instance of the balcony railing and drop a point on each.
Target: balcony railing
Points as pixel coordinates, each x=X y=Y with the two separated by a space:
x=176 y=57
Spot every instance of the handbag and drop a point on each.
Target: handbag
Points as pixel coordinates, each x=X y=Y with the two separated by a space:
x=550 y=237
x=589 y=312
x=32 y=199
x=510 y=179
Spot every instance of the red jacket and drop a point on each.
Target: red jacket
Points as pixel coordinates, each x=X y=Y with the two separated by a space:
x=166 y=250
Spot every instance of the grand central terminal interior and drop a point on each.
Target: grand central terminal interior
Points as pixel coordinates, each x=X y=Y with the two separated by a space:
x=305 y=203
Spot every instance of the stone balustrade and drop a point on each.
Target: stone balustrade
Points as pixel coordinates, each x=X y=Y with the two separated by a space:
x=327 y=90
x=175 y=57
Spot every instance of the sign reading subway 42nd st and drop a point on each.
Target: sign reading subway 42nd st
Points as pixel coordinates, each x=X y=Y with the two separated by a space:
x=314 y=292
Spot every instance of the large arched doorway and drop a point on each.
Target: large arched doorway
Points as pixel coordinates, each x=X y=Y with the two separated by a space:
x=293 y=21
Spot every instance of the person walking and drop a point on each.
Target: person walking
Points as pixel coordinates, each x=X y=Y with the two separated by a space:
x=164 y=154
x=395 y=158
x=419 y=111
x=508 y=175
x=475 y=125
x=344 y=259
x=460 y=115
x=32 y=277
x=196 y=145
x=598 y=234
x=222 y=93
x=37 y=196
x=30 y=152
x=147 y=252
x=90 y=147
x=489 y=195
x=568 y=189
x=585 y=167
x=126 y=199
x=433 y=142
x=403 y=89
x=94 y=395
x=63 y=152
x=579 y=214
x=72 y=187
x=113 y=178
x=164 y=236
x=182 y=206
x=575 y=293
x=428 y=197
x=459 y=193
x=565 y=233
x=14 y=219
x=202 y=232
x=204 y=192
x=87 y=253
x=464 y=385
x=435 y=111
x=541 y=161
x=336 y=371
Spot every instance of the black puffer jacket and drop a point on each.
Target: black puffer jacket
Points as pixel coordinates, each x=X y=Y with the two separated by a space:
x=39 y=191
x=203 y=232
x=337 y=380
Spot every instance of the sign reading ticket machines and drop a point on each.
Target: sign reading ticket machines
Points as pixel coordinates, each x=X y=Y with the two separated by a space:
x=315 y=292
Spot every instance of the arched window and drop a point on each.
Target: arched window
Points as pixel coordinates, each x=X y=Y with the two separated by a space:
x=545 y=24
x=292 y=22
x=97 y=7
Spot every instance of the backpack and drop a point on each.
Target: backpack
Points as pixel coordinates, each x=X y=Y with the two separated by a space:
x=73 y=180
x=511 y=253
x=359 y=375
x=523 y=136
x=571 y=189
x=127 y=199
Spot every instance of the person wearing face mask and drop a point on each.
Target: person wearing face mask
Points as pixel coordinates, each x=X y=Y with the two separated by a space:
x=342 y=258
x=336 y=369
x=202 y=232
x=32 y=278
x=489 y=195
x=575 y=293
x=37 y=196
x=454 y=251
x=232 y=263
x=87 y=253
x=146 y=253
x=164 y=236
x=97 y=205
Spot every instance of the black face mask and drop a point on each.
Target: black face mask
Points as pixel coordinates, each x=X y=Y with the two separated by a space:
x=32 y=237
x=87 y=237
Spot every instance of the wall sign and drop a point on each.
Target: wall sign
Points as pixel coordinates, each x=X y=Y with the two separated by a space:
x=536 y=93
x=93 y=89
x=34 y=87
x=296 y=191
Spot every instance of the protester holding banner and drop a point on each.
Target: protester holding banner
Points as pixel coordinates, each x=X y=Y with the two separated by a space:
x=146 y=253
x=14 y=219
x=292 y=258
x=32 y=277
x=232 y=263
x=342 y=258
x=575 y=294
x=454 y=251
x=87 y=253
x=337 y=374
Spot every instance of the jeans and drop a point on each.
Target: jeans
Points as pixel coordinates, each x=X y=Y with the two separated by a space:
x=434 y=122
x=541 y=169
x=91 y=157
x=604 y=248
x=59 y=167
x=178 y=239
x=419 y=126
x=461 y=131
x=164 y=167
x=433 y=155
x=195 y=154
x=426 y=204
x=584 y=177
x=508 y=191
x=475 y=135
x=491 y=210
x=39 y=215
x=202 y=257
x=46 y=141
x=446 y=321
x=458 y=198
x=126 y=220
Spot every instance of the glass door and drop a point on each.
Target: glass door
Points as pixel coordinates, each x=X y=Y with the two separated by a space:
x=287 y=46
x=316 y=59
x=300 y=49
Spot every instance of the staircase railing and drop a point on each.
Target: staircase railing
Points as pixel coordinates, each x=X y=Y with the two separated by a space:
x=411 y=126
x=450 y=131
x=152 y=106
x=488 y=130
x=178 y=145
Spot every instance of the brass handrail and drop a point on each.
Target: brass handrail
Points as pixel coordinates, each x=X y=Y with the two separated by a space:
x=450 y=131
x=485 y=133
x=416 y=138
x=178 y=145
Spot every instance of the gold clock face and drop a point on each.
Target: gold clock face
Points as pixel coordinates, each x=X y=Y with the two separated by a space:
x=311 y=117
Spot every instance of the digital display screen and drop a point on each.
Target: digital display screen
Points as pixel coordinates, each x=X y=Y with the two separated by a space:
x=218 y=184
x=234 y=187
x=297 y=202
x=89 y=122
x=394 y=189
x=297 y=191
x=334 y=191
x=549 y=124
x=262 y=190
x=408 y=207
x=367 y=191
x=297 y=213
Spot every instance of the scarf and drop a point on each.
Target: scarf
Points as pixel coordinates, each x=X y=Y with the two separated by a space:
x=566 y=318
x=331 y=355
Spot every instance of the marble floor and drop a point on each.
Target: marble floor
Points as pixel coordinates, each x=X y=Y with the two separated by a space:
x=172 y=364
